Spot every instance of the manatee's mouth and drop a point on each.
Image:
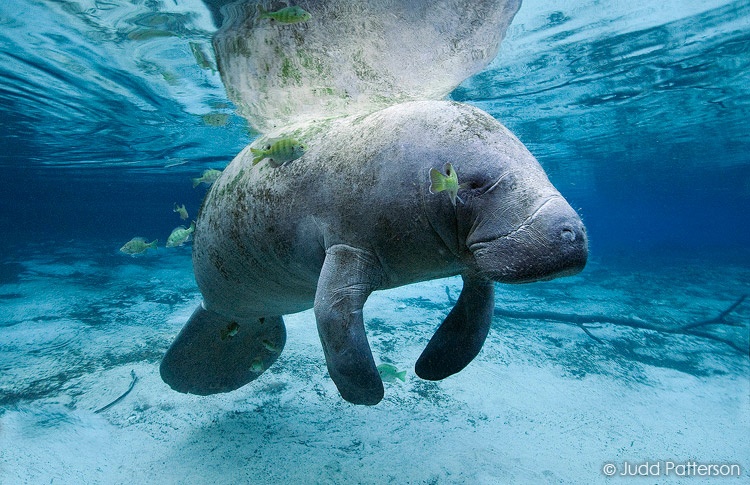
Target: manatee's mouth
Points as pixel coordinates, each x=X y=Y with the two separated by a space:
x=482 y=243
x=551 y=242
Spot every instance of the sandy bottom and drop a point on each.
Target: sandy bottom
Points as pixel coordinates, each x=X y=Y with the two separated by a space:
x=544 y=402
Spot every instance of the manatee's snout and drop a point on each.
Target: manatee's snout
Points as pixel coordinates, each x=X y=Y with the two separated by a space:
x=550 y=243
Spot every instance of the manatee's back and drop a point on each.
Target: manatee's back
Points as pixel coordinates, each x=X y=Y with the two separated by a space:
x=262 y=232
x=254 y=252
x=261 y=236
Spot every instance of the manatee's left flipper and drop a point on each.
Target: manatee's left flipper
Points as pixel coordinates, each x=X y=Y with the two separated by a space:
x=461 y=336
x=348 y=277
x=215 y=354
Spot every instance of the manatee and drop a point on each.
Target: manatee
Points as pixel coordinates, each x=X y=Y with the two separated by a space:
x=353 y=215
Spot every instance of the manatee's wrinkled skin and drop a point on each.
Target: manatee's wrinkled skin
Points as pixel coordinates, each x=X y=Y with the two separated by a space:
x=354 y=214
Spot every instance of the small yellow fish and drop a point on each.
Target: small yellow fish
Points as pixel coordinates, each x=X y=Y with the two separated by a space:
x=201 y=58
x=287 y=15
x=230 y=330
x=257 y=365
x=269 y=346
x=180 y=235
x=180 y=210
x=389 y=373
x=215 y=119
x=209 y=176
x=445 y=182
x=280 y=152
x=146 y=34
x=137 y=245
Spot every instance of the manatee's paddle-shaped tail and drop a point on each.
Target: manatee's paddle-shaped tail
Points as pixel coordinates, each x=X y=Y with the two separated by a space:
x=215 y=354
x=461 y=336
x=347 y=278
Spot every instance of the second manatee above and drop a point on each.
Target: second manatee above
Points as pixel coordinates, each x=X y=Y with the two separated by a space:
x=352 y=57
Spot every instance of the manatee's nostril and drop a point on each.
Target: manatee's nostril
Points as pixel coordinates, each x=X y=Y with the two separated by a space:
x=567 y=234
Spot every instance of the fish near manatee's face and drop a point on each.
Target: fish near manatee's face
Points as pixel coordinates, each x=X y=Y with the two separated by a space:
x=518 y=227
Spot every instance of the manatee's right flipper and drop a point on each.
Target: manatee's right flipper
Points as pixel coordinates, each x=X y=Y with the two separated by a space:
x=215 y=354
x=348 y=277
x=461 y=336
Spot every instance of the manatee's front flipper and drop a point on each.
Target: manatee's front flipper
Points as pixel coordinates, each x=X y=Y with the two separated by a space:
x=461 y=336
x=348 y=277
x=215 y=354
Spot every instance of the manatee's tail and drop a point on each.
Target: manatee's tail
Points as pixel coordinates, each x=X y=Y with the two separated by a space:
x=215 y=354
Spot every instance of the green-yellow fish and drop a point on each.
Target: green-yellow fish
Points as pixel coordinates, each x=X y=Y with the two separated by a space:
x=209 y=176
x=201 y=58
x=180 y=210
x=287 y=15
x=230 y=330
x=280 y=152
x=270 y=346
x=137 y=245
x=257 y=365
x=389 y=373
x=448 y=182
x=180 y=235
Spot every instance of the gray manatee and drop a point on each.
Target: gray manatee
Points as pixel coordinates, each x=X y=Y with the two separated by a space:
x=355 y=214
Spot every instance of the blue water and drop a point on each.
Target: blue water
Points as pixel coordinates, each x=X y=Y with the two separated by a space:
x=638 y=113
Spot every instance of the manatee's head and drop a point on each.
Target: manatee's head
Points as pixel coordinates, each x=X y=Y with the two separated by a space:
x=517 y=227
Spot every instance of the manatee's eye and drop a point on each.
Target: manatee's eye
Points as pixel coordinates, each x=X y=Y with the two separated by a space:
x=477 y=184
